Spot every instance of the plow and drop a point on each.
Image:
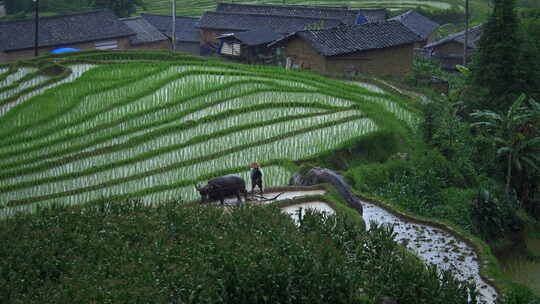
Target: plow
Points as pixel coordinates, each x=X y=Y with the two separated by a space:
x=262 y=198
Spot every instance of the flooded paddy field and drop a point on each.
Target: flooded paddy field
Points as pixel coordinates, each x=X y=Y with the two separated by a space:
x=432 y=245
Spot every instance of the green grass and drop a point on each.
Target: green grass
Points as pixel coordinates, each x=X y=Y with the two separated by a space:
x=150 y=130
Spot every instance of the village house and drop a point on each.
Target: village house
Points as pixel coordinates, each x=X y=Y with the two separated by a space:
x=213 y=25
x=147 y=36
x=342 y=13
x=449 y=50
x=92 y=30
x=186 y=32
x=249 y=46
x=383 y=49
x=418 y=24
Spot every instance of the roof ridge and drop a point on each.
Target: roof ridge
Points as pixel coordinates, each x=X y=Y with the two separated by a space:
x=169 y=16
x=336 y=8
x=101 y=10
x=273 y=15
x=341 y=26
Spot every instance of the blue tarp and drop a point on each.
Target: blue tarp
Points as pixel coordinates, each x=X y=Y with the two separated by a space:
x=361 y=19
x=63 y=50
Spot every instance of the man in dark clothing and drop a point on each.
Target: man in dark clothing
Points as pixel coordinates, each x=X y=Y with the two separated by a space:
x=256 y=177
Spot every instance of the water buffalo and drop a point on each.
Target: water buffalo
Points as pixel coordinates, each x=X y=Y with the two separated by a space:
x=219 y=188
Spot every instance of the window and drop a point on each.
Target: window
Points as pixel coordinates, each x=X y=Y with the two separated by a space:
x=232 y=49
x=107 y=45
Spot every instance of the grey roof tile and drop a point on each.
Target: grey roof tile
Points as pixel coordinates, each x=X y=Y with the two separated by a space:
x=342 y=13
x=474 y=36
x=353 y=38
x=255 y=37
x=146 y=33
x=185 y=30
x=418 y=23
x=278 y=24
x=62 y=30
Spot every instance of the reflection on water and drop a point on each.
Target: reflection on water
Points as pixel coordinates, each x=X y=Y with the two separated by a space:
x=298 y=210
x=522 y=269
x=432 y=245
x=435 y=246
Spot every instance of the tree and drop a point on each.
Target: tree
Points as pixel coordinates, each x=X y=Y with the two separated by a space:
x=496 y=64
x=121 y=8
x=516 y=137
x=18 y=6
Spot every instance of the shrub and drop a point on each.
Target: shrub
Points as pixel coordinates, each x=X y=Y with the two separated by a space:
x=493 y=217
x=126 y=252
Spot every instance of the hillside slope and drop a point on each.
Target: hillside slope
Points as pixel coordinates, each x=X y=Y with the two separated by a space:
x=151 y=130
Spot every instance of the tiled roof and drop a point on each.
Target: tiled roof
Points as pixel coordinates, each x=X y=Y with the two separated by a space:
x=419 y=24
x=474 y=36
x=353 y=38
x=185 y=30
x=146 y=33
x=62 y=30
x=332 y=12
x=246 y=22
x=255 y=37
x=255 y=8
x=374 y=14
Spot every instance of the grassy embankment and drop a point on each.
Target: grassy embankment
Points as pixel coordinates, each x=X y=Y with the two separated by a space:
x=135 y=126
x=151 y=130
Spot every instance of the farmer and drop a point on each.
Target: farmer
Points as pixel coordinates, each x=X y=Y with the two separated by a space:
x=256 y=177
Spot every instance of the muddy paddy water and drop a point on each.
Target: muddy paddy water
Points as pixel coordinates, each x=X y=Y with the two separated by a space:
x=432 y=245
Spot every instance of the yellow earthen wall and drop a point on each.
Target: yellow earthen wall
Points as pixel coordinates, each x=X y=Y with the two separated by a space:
x=393 y=61
x=303 y=54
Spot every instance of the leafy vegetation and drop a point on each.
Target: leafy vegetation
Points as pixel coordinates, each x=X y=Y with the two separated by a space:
x=138 y=130
x=122 y=8
x=177 y=254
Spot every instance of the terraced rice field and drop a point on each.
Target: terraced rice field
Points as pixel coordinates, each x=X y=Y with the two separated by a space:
x=198 y=7
x=151 y=130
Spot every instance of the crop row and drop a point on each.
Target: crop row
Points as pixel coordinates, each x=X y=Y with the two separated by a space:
x=154 y=155
x=133 y=126
x=144 y=93
x=244 y=112
x=31 y=116
x=23 y=95
x=132 y=129
x=168 y=113
x=148 y=110
x=180 y=132
x=274 y=175
x=15 y=76
x=293 y=145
